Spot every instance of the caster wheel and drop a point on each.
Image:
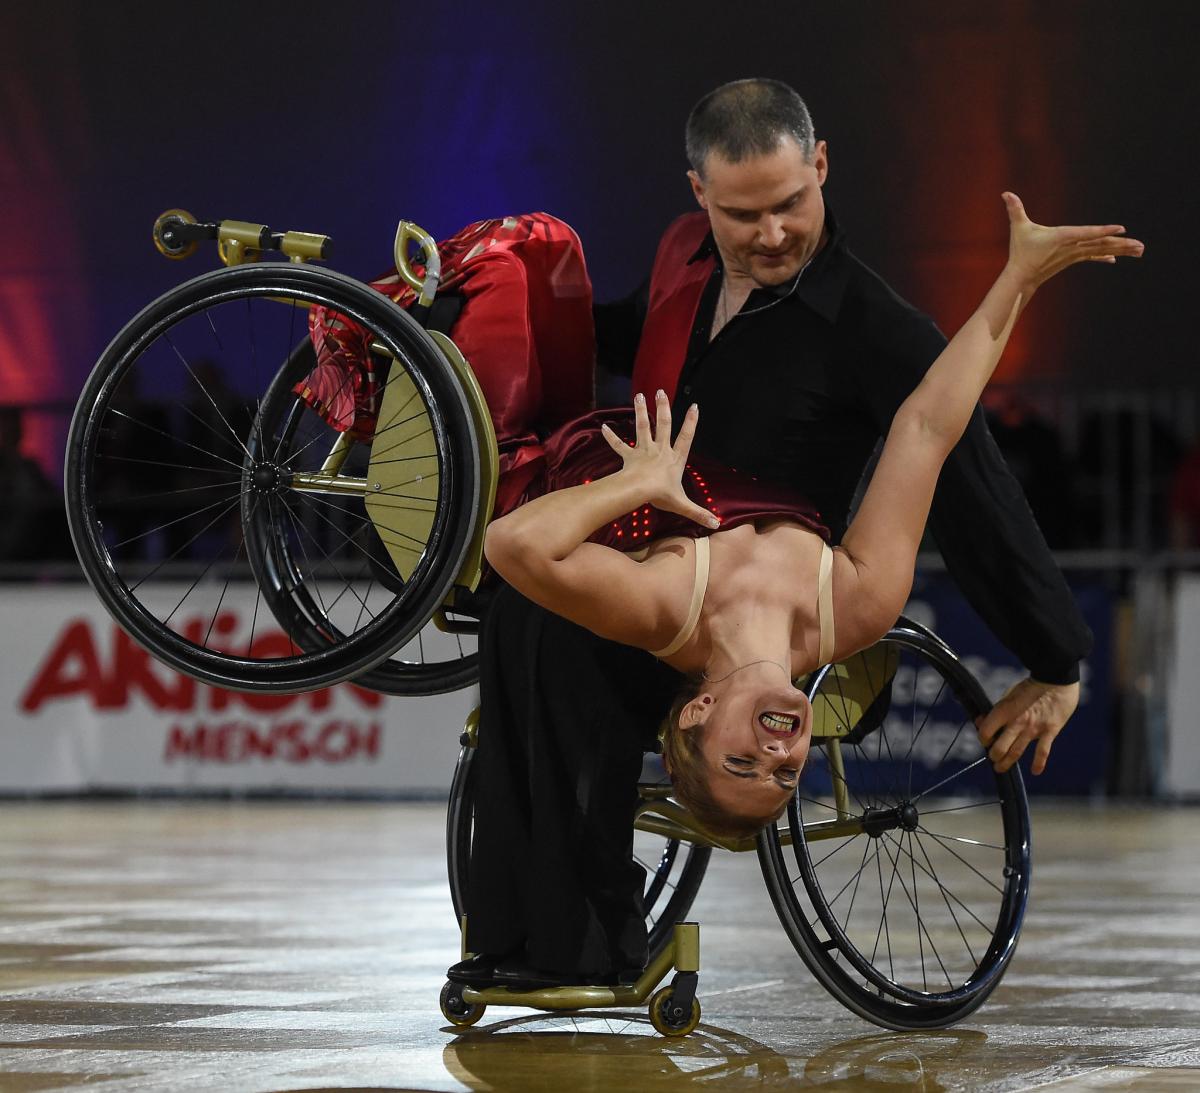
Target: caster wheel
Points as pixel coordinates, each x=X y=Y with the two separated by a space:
x=670 y=1019
x=459 y=1013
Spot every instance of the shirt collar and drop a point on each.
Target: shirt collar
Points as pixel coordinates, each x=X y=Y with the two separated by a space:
x=823 y=281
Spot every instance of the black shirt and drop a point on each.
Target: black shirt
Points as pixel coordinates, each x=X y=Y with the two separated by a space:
x=799 y=386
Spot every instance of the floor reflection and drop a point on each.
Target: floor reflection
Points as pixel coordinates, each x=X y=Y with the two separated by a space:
x=587 y=1052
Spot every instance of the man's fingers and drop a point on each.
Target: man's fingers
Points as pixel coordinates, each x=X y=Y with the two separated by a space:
x=1013 y=750
x=1042 y=754
x=994 y=720
x=1000 y=746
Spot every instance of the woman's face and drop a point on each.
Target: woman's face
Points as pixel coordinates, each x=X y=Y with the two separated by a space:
x=755 y=740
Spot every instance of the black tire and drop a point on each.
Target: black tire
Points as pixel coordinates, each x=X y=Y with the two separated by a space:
x=674 y=870
x=917 y=930
x=129 y=455
x=431 y=662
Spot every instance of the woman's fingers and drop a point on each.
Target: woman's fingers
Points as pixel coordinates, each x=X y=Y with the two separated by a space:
x=662 y=424
x=1016 y=210
x=687 y=431
x=641 y=420
x=1082 y=233
x=701 y=515
x=615 y=442
x=1111 y=244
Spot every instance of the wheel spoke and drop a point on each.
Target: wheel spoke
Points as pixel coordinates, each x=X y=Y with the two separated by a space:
x=951 y=850
x=182 y=547
x=950 y=777
x=912 y=743
x=947 y=895
x=959 y=808
x=205 y=391
x=301 y=526
x=898 y=874
x=174 y=440
x=178 y=520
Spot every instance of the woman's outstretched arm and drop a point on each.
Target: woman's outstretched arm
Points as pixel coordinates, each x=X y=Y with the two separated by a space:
x=945 y=399
x=880 y=545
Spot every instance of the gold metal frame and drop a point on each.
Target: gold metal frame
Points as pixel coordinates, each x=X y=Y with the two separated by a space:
x=681 y=954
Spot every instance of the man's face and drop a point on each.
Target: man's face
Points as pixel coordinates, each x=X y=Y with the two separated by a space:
x=767 y=212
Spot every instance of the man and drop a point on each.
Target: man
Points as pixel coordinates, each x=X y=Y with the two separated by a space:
x=798 y=356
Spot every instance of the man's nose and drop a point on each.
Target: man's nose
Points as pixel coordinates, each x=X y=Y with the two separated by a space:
x=774 y=747
x=771 y=232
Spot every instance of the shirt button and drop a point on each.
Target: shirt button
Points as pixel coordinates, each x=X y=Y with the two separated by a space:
x=688 y=389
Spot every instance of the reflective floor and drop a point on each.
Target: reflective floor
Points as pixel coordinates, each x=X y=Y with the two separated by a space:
x=259 y=947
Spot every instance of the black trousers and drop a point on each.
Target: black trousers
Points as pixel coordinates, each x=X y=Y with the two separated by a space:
x=565 y=720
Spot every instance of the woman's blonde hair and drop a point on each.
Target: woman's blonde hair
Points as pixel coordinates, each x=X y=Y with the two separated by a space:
x=690 y=779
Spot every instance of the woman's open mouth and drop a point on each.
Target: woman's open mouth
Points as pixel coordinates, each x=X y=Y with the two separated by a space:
x=779 y=724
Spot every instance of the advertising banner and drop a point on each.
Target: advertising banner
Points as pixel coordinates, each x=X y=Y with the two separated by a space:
x=83 y=707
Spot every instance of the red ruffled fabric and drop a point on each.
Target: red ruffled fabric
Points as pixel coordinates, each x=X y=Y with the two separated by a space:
x=525 y=327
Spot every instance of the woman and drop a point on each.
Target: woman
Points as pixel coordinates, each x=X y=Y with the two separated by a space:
x=747 y=610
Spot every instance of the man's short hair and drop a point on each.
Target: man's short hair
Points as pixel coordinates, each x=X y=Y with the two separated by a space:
x=746 y=118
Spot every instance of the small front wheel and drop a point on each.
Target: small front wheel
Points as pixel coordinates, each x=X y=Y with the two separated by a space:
x=669 y=1018
x=459 y=1012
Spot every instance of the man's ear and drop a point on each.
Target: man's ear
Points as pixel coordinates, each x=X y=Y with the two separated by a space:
x=696 y=712
x=698 y=189
x=820 y=160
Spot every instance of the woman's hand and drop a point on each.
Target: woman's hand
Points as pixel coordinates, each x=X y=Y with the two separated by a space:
x=657 y=465
x=1036 y=253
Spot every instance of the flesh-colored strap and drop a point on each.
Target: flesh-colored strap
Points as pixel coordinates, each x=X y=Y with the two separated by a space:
x=699 y=587
x=825 y=604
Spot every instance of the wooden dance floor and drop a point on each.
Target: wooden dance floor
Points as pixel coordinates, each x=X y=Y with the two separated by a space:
x=261 y=947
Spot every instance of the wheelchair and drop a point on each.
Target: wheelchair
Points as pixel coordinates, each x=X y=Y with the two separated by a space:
x=285 y=554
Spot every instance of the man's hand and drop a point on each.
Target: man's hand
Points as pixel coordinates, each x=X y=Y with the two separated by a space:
x=1030 y=711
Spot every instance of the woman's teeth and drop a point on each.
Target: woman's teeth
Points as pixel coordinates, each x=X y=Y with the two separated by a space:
x=778 y=722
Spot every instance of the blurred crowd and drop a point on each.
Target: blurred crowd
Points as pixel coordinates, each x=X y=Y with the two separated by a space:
x=1124 y=478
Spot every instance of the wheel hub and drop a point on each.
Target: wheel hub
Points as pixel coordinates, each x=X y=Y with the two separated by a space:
x=266 y=478
x=876 y=821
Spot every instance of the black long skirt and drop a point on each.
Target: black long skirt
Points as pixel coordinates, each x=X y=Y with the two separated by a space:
x=565 y=720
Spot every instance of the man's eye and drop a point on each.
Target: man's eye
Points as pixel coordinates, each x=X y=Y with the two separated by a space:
x=740 y=760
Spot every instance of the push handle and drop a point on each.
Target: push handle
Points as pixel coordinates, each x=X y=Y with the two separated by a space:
x=426 y=287
x=177 y=234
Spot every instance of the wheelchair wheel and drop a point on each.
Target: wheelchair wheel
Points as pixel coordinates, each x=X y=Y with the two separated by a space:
x=287 y=432
x=673 y=869
x=905 y=886
x=183 y=495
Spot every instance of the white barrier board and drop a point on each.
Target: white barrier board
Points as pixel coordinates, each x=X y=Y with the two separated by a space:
x=1181 y=770
x=83 y=707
